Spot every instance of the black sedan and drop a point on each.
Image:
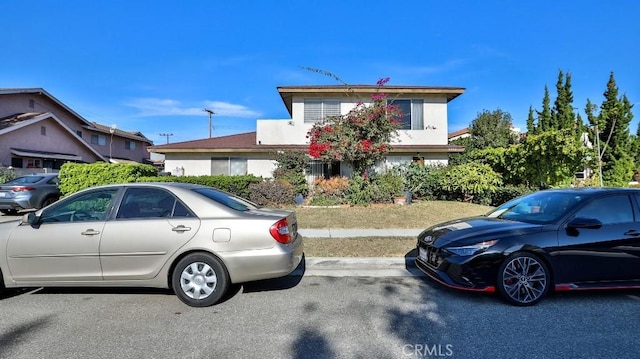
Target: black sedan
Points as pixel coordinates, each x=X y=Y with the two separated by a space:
x=559 y=239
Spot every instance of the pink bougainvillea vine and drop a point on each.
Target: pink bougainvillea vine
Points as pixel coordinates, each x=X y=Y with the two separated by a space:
x=361 y=137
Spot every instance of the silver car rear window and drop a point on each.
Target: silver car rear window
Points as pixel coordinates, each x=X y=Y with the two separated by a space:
x=226 y=199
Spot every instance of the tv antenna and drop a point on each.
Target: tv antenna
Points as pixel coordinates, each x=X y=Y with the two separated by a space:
x=211 y=113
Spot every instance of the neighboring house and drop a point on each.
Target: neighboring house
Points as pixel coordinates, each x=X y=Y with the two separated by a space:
x=40 y=133
x=422 y=137
x=455 y=135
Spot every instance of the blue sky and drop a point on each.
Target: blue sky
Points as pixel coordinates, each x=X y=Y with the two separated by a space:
x=153 y=65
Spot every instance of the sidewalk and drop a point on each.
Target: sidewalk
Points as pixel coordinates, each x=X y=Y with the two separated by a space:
x=358 y=267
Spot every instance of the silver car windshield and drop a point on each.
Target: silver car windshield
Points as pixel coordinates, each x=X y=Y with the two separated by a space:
x=541 y=207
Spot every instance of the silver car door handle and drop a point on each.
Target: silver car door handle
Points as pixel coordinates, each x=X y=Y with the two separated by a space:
x=181 y=229
x=90 y=232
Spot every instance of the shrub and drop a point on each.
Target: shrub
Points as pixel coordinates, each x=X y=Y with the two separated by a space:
x=77 y=176
x=6 y=174
x=290 y=167
x=238 y=185
x=417 y=179
x=470 y=182
x=329 y=192
x=386 y=186
x=271 y=192
x=359 y=192
x=507 y=193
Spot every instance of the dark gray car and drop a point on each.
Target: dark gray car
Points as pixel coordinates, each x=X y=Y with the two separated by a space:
x=29 y=192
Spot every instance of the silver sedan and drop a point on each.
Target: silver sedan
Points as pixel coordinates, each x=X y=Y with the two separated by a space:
x=193 y=239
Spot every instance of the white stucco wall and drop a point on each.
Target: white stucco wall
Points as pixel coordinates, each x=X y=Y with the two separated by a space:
x=294 y=131
x=199 y=164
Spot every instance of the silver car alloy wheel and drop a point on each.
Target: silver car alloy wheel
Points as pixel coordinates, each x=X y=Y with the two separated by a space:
x=524 y=279
x=198 y=280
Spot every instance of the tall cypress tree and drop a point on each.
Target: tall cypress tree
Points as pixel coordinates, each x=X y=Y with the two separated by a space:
x=544 y=116
x=615 y=117
x=531 y=123
x=562 y=112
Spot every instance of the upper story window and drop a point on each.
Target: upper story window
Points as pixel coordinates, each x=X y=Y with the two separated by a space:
x=99 y=140
x=32 y=104
x=43 y=130
x=79 y=133
x=412 y=113
x=316 y=110
x=129 y=145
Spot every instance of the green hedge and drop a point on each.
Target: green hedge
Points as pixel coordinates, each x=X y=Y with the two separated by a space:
x=77 y=176
x=238 y=185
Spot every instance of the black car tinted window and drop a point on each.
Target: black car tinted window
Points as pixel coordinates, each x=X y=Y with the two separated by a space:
x=541 y=207
x=609 y=209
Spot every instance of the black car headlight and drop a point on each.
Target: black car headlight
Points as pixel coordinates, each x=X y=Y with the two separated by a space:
x=471 y=249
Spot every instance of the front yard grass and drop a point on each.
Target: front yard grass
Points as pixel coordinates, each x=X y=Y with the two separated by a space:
x=421 y=214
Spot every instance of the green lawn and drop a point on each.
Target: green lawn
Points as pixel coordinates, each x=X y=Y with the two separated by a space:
x=420 y=214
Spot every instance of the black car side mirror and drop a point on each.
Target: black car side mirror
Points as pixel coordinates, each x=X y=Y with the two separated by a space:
x=583 y=222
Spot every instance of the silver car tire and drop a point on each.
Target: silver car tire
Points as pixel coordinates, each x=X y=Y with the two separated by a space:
x=199 y=280
x=523 y=279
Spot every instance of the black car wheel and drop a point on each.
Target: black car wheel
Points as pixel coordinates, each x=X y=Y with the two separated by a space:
x=523 y=279
x=199 y=280
x=47 y=201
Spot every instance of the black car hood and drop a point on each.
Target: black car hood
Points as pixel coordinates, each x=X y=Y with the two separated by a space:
x=467 y=231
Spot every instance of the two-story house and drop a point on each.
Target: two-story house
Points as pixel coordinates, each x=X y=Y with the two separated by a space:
x=422 y=136
x=40 y=133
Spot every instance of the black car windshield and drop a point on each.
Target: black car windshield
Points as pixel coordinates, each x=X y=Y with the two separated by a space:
x=542 y=207
x=226 y=199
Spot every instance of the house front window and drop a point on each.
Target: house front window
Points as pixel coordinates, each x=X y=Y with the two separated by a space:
x=232 y=166
x=34 y=163
x=99 y=140
x=412 y=113
x=318 y=110
x=129 y=145
x=319 y=169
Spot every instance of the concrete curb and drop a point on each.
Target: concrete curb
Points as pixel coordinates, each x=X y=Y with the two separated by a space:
x=358 y=267
x=358 y=232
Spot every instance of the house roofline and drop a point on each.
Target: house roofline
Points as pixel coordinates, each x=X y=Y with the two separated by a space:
x=41 y=91
x=46 y=115
x=287 y=92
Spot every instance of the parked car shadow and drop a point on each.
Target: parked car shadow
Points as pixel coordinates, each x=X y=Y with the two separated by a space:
x=10 y=293
x=275 y=284
x=281 y=283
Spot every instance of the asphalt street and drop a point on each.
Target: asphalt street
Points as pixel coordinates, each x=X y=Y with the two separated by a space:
x=330 y=308
x=317 y=317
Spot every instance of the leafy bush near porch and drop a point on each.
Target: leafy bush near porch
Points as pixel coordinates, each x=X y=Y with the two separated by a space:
x=6 y=174
x=77 y=176
x=329 y=192
x=271 y=192
x=290 y=167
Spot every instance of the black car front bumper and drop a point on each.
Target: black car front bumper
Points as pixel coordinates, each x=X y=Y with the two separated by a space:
x=456 y=272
